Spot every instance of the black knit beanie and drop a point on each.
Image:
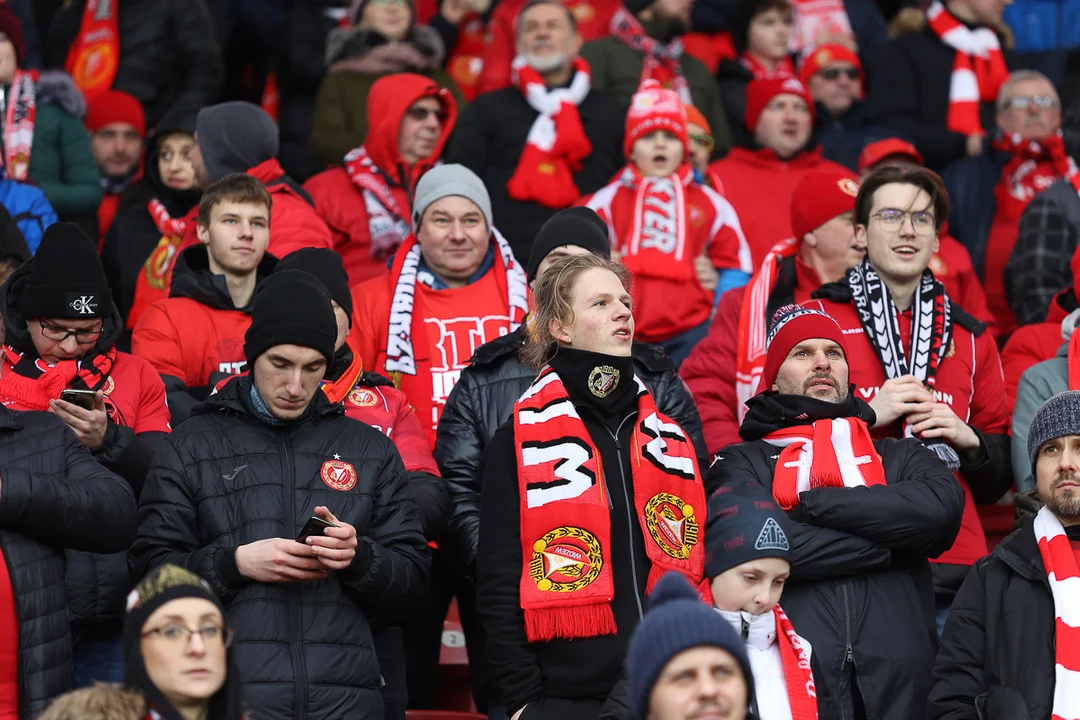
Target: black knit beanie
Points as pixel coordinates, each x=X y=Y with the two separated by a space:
x=66 y=279
x=327 y=267
x=744 y=524
x=291 y=308
x=578 y=226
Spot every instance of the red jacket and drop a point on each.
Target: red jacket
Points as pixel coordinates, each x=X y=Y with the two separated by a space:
x=343 y=205
x=758 y=184
x=969 y=380
x=709 y=371
x=593 y=20
x=951 y=264
x=294 y=224
x=1033 y=344
x=663 y=306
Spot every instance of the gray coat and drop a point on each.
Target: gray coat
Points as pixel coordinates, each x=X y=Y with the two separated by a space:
x=1039 y=383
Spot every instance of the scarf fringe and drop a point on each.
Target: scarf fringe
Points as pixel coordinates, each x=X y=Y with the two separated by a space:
x=544 y=624
x=36 y=394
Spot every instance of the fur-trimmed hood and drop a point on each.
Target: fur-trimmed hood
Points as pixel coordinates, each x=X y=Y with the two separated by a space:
x=56 y=87
x=913 y=20
x=102 y=701
x=352 y=42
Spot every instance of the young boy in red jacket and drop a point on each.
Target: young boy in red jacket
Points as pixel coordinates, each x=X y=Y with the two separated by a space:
x=681 y=240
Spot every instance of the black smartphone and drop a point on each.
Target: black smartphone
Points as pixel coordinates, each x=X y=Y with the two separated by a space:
x=83 y=398
x=314 y=526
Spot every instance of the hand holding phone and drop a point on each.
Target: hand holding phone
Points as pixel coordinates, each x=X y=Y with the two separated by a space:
x=83 y=398
x=315 y=526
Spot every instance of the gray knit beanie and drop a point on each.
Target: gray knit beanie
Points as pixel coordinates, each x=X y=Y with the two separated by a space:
x=234 y=137
x=1059 y=416
x=447 y=180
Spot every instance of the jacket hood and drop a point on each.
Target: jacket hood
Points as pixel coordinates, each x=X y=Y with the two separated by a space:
x=768 y=411
x=177 y=202
x=390 y=97
x=55 y=87
x=101 y=700
x=232 y=397
x=352 y=42
x=193 y=279
x=16 y=334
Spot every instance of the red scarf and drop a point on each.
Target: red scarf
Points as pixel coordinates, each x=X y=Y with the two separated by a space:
x=387 y=226
x=801 y=691
x=656 y=245
x=1024 y=174
x=819 y=22
x=754 y=326
x=1074 y=361
x=32 y=386
x=661 y=62
x=95 y=54
x=829 y=453
x=556 y=144
x=978 y=68
x=166 y=225
x=20 y=114
x=1063 y=575
x=567 y=582
x=784 y=68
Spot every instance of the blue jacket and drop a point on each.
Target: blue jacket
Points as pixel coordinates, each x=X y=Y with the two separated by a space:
x=29 y=208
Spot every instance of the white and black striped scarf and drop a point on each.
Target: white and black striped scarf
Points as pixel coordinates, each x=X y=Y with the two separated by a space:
x=931 y=332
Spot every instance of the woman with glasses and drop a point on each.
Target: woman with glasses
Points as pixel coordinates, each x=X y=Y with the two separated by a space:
x=179 y=658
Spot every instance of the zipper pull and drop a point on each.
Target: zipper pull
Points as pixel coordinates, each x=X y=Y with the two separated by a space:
x=745 y=628
x=850 y=655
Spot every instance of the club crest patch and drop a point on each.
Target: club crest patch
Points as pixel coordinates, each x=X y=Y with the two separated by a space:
x=362 y=397
x=338 y=475
x=110 y=385
x=566 y=559
x=602 y=380
x=672 y=524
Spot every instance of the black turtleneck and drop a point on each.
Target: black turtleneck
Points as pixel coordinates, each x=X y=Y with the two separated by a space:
x=770 y=411
x=603 y=383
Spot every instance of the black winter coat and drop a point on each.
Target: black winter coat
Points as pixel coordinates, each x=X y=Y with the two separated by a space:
x=484 y=398
x=860 y=588
x=230 y=479
x=997 y=651
x=169 y=54
x=53 y=496
x=490 y=138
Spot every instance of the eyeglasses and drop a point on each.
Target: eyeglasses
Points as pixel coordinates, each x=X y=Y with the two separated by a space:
x=59 y=334
x=180 y=635
x=702 y=141
x=834 y=73
x=420 y=114
x=1042 y=102
x=892 y=219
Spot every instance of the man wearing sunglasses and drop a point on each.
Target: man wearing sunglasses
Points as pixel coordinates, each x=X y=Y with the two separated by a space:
x=367 y=202
x=927 y=368
x=834 y=76
x=61 y=328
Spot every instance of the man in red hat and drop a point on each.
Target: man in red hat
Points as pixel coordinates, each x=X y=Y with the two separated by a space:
x=835 y=78
x=724 y=370
x=117 y=128
x=780 y=114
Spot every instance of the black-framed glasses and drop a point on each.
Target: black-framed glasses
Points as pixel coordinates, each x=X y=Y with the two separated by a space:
x=834 y=73
x=420 y=114
x=180 y=635
x=1020 y=102
x=892 y=219
x=59 y=334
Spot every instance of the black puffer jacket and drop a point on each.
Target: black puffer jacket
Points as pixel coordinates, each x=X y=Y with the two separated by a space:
x=998 y=648
x=860 y=589
x=169 y=54
x=53 y=495
x=231 y=479
x=483 y=399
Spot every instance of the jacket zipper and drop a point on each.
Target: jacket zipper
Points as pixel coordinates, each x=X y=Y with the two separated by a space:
x=629 y=512
x=296 y=642
x=850 y=652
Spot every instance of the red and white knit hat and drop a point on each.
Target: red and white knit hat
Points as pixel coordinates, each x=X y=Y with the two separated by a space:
x=654 y=108
x=791 y=325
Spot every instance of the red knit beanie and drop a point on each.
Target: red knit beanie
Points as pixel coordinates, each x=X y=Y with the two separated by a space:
x=819 y=197
x=825 y=54
x=11 y=26
x=115 y=106
x=792 y=324
x=654 y=108
x=760 y=93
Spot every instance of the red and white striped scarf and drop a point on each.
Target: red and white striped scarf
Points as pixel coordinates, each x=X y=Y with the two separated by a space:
x=20 y=115
x=387 y=225
x=784 y=68
x=818 y=22
x=1064 y=577
x=556 y=144
x=798 y=677
x=978 y=68
x=656 y=244
x=166 y=224
x=660 y=62
x=832 y=452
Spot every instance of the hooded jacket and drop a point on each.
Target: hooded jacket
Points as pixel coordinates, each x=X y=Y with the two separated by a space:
x=134 y=235
x=138 y=419
x=195 y=337
x=1037 y=384
x=229 y=478
x=1032 y=344
x=997 y=654
x=860 y=589
x=342 y=204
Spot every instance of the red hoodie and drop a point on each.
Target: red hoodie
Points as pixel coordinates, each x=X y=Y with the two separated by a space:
x=1033 y=344
x=758 y=184
x=344 y=206
x=294 y=224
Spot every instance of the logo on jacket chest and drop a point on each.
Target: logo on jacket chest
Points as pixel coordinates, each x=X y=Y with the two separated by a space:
x=362 y=397
x=338 y=475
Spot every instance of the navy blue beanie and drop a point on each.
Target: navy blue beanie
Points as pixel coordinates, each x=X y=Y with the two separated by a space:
x=677 y=620
x=744 y=524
